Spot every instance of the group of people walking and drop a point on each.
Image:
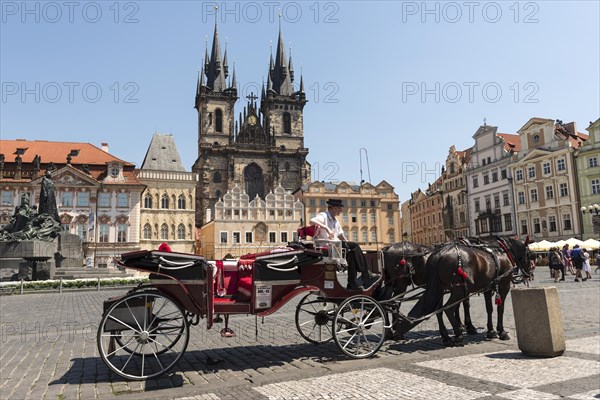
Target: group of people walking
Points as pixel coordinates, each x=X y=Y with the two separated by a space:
x=577 y=261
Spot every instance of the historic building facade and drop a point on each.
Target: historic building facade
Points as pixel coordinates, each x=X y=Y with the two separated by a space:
x=244 y=225
x=167 y=208
x=260 y=150
x=587 y=159
x=545 y=186
x=455 y=213
x=427 y=225
x=488 y=183
x=371 y=214
x=97 y=194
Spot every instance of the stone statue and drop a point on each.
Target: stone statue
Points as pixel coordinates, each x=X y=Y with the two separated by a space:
x=48 y=198
x=28 y=224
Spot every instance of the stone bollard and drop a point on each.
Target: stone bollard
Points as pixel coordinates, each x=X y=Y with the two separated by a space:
x=538 y=321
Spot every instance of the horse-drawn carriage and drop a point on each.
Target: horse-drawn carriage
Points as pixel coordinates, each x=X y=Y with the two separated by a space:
x=143 y=333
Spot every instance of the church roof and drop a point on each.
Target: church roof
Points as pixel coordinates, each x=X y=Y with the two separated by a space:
x=162 y=154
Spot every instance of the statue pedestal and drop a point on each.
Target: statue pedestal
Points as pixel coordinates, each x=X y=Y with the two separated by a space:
x=538 y=321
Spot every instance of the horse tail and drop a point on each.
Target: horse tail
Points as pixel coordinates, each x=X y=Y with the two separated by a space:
x=431 y=298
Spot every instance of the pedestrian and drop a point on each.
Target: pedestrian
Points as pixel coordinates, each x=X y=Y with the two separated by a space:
x=587 y=268
x=577 y=261
x=555 y=262
x=566 y=253
x=597 y=261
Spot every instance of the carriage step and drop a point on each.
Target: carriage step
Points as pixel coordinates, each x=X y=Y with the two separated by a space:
x=227 y=333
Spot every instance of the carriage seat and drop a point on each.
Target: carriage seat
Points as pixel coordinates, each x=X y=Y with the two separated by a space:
x=330 y=248
x=233 y=278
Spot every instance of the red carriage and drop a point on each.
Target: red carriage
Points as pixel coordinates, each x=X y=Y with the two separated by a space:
x=144 y=333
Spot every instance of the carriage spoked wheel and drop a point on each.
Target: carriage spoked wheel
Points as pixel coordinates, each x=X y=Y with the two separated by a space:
x=313 y=318
x=359 y=326
x=143 y=335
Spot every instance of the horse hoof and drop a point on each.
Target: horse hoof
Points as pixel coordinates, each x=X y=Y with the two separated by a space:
x=462 y=329
x=471 y=330
x=492 y=335
x=448 y=342
x=504 y=336
x=458 y=343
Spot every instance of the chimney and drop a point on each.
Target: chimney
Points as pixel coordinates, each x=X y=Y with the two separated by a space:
x=105 y=147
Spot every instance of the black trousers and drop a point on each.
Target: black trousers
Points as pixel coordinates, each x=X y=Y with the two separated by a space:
x=356 y=260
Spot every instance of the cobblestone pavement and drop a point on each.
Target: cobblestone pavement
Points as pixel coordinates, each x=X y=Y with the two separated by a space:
x=48 y=351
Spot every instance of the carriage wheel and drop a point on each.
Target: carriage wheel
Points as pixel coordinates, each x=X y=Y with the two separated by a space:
x=143 y=335
x=313 y=318
x=359 y=327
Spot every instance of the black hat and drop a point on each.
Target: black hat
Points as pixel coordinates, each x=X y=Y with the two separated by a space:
x=335 y=203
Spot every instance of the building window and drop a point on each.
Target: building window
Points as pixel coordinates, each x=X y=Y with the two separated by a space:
x=595 y=186
x=147 y=231
x=354 y=217
x=103 y=233
x=486 y=179
x=83 y=199
x=164 y=201
x=353 y=203
x=462 y=217
x=104 y=200
x=363 y=218
x=181 y=202
x=164 y=232
x=218 y=120
x=567 y=222
x=391 y=237
x=122 y=233
x=475 y=182
x=148 y=201
x=502 y=174
x=249 y=237
x=373 y=218
x=66 y=199
x=373 y=203
x=549 y=192
x=537 y=228
x=488 y=204
x=391 y=221
x=82 y=231
x=496 y=200
x=365 y=236
x=345 y=217
x=236 y=237
x=484 y=225
x=494 y=176
x=507 y=222
x=564 y=190
x=287 y=123
x=390 y=207
x=546 y=168
x=6 y=198
x=505 y=200
x=497 y=224
x=592 y=162
x=272 y=237
x=533 y=195
x=223 y=237
x=122 y=200
x=531 y=171
x=363 y=203
x=519 y=174
x=181 y=232
x=284 y=237
x=552 y=222
x=560 y=165
x=523 y=227
x=312 y=203
x=354 y=236
x=374 y=236
x=477 y=206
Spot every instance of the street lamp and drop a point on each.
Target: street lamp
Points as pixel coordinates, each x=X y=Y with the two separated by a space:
x=593 y=209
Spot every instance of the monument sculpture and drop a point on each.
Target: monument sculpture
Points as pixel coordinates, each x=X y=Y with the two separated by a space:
x=33 y=244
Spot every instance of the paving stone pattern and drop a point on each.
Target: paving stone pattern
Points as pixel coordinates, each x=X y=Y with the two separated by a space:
x=48 y=351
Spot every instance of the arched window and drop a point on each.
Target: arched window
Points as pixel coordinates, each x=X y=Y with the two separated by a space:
x=217 y=177
x=181 y=202
x=164 y=232
x=148 y=201
x=147 y=231
x=181 y=232
x=254 y=181
x=164 y=201
x=218 y=120
x=287 y=123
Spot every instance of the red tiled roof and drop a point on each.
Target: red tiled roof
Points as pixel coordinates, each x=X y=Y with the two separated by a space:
x=56 y=152
x=511 y=141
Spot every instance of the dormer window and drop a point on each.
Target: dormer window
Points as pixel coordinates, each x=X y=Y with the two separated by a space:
x=21 y=151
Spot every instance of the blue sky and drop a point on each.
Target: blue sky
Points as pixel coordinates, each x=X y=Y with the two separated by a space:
x=403 y=80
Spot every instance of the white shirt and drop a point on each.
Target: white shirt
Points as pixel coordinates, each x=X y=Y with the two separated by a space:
x=325 y=218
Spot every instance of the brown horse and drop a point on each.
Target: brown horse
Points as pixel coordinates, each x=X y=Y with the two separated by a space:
x=405 y=266
x=462 y=270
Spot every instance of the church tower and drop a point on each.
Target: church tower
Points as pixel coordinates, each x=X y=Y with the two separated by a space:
x=261 y=150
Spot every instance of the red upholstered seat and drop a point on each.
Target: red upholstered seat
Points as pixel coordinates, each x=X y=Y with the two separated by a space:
x=244 y=288
x=311 y=230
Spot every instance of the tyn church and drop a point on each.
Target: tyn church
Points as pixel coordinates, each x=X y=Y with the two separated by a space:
x=263 y=148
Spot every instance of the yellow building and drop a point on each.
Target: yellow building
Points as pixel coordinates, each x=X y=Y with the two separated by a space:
x=371 y=214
